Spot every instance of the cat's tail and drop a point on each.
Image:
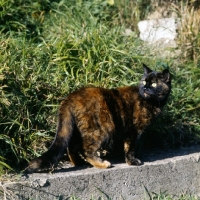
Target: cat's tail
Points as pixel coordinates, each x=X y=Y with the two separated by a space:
x=59 y=145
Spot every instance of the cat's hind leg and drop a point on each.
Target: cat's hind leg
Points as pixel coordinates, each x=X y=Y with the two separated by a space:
x=98 y=162
x=74 y=156
x=75 y=159
x=91 y=156
x=94 y=160
x=94 y=132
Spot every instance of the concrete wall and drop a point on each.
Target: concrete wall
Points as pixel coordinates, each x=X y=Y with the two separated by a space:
x=176 y=172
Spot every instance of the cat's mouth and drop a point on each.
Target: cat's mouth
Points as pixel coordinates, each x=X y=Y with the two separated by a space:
x=146 y=95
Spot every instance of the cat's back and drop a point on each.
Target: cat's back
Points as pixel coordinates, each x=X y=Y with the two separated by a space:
x=99 y=94
x=89 y=99
x=88 y=94
x=85 y=97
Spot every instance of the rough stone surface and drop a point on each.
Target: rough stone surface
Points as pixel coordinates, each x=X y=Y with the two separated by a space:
x=159 y=29
x=175 y=171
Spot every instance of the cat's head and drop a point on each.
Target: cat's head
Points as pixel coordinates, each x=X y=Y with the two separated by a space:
x=155 y=85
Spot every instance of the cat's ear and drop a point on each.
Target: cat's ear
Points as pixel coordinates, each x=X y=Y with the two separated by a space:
x=147 y=70
x=166 y=75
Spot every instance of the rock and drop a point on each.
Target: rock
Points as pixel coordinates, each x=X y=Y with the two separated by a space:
x=175 y=171
x=158 y=30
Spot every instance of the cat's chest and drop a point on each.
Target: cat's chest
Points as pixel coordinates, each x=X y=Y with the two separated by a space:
x=143 y=115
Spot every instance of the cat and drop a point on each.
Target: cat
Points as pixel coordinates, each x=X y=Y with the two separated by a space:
x=92 y=118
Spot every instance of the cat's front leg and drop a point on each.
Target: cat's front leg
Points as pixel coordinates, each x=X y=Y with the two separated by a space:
x=130 y=148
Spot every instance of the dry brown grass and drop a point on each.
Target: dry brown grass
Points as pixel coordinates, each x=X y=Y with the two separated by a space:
x=189 y=31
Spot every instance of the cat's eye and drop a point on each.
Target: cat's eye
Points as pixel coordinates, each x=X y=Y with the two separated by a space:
x=154 y=84
x=144 y=82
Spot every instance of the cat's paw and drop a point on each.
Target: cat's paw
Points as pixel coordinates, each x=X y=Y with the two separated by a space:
x=133 y=161
x=106 y=164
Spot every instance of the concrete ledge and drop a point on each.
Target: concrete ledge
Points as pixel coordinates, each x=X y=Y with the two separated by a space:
x=176 y=172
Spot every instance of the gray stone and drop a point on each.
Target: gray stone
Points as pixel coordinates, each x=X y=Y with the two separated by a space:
x=158 y=30
x=175 y=171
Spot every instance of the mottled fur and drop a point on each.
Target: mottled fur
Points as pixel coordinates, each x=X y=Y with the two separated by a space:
x=92 y=118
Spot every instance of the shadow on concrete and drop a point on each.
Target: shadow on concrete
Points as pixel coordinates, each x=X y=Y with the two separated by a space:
x=147 y=156
x=158 y=154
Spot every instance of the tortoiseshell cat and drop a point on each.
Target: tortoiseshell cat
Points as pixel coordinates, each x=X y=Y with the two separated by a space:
x=92 y=118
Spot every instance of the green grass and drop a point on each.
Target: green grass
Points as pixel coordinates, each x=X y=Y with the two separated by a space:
x=50 y=48
x=150 y=196
x=165 y=196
